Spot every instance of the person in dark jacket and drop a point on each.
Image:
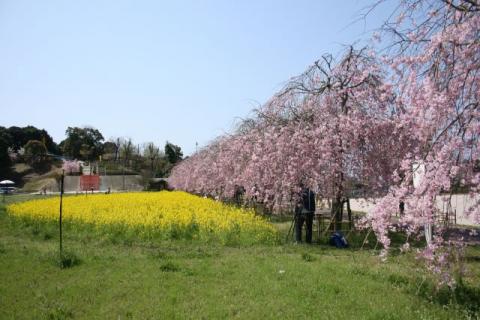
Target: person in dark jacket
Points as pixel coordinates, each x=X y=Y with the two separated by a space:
x=304 y=211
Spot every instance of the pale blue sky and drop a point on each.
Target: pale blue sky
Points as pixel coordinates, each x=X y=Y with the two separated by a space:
x=156 y=71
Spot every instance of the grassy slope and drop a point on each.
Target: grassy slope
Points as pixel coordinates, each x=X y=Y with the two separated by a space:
x=185 y=280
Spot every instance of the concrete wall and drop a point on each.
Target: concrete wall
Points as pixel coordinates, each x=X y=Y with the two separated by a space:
x=460 y=203
x=116 y=183
x=72 y=183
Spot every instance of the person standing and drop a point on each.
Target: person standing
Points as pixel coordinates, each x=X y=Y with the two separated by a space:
x=304 y=211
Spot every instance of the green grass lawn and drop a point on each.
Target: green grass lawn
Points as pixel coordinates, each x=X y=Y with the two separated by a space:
x=182 y=280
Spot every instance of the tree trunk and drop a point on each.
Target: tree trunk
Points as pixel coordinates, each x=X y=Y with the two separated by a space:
x=337 y=213
x=151 y=163
x=350 y=218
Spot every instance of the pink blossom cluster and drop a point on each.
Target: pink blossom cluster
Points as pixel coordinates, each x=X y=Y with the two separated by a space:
x=363 y=123
x=71 y=166
x=331 y=129
x=436 y=69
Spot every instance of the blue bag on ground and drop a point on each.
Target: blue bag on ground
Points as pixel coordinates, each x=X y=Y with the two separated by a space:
x=338 y=240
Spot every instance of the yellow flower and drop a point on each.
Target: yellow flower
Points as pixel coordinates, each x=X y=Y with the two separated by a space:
x=170 y=214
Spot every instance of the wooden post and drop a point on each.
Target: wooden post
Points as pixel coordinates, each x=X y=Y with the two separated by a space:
x=60 y=218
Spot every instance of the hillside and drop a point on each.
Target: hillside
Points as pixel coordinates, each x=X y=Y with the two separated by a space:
x=29 y=179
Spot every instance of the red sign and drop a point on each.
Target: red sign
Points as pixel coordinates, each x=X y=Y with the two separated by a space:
x=88 y=183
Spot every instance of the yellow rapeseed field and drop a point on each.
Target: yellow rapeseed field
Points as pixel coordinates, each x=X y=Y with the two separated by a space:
x=166 y=214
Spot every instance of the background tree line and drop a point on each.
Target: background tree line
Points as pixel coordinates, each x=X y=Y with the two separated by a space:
x=117 y=155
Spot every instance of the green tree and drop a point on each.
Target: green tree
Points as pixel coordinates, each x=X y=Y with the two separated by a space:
x=164 y=167
x=21 y=136
x=127 y=150
x=5 y=143
x=82 y=143
x=35 y=153
x=173 y=153
x=152 y=153
x=110 y=151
